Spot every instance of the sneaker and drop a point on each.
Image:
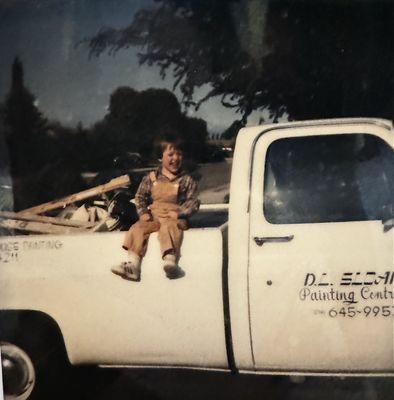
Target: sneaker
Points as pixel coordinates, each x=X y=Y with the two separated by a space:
x=127 y=270
x=170 y=266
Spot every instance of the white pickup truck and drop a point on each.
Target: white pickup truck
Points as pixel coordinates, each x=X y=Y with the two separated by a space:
x=297 y=280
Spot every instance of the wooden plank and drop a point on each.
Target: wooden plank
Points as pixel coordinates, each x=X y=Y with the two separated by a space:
x=113 y=184
x=39 y=227
x=107 y=224
x=43 y=219
x=101 y=226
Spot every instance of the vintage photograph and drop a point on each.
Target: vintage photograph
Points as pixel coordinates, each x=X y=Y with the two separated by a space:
x=196 y=199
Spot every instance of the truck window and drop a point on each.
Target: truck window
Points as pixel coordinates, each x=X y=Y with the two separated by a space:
x=328 y=178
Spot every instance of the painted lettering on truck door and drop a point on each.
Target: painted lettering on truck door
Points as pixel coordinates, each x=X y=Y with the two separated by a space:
x=321 y=265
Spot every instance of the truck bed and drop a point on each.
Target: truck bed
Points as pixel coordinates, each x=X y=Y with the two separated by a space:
x=210 y=216
x=110 y=321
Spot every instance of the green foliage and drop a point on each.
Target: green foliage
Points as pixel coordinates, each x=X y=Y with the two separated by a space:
x=25 y=127
x=48 y=158
x=52 y=181
x=306 y=59
x=136 y=119
x=232 y=130
x=331 y=58
x=45 y=159
x=194 y=131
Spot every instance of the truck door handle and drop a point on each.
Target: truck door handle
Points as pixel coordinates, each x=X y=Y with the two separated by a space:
x=272 y=239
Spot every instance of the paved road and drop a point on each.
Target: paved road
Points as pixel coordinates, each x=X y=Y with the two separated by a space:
x=215 y=181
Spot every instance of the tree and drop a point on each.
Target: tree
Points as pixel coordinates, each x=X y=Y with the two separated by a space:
x=136 y=119
x=38 y=160
x=24 y=124
x=6 y=198
x=232 y=130
x=331 y=58
x=307 y=59
x=195 y=135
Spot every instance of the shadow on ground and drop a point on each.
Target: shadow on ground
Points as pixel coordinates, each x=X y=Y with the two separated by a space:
x=122 y=384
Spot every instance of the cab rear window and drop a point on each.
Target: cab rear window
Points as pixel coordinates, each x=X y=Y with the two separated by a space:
x=331 y=178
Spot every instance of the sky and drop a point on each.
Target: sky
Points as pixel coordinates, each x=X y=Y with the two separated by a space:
x=69 y=86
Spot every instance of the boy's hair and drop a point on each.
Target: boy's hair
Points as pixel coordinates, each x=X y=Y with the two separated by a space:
x=169 y=138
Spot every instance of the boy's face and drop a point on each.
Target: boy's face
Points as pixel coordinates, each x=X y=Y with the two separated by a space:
x=172 y=159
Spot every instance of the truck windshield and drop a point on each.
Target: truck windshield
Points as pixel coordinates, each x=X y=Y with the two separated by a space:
x=328 y=178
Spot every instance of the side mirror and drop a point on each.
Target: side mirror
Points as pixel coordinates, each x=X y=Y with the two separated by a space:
x=388 y=224
x=388 y=218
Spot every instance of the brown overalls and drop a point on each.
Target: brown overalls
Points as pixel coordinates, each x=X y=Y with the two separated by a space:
x=165 y=197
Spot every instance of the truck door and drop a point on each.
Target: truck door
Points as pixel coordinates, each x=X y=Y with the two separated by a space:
x=321 y=249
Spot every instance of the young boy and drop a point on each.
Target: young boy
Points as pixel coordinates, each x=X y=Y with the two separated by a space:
x=164 y=200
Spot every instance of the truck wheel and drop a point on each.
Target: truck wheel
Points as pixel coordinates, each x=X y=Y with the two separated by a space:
x=18 y=372
x=34 y=359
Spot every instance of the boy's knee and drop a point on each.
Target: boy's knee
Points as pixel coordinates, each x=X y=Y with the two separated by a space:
x=174 y=224
x=147 y=226
x=182 y=224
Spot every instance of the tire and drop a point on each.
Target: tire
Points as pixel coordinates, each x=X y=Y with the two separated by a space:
x=18 y=372
x=36 y=339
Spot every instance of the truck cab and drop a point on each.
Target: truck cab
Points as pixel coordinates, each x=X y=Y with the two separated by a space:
x=311 y=247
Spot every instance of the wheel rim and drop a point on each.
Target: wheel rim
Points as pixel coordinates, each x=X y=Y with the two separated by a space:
x=18 y=372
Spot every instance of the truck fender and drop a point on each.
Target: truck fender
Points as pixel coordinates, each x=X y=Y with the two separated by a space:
x=37 y=335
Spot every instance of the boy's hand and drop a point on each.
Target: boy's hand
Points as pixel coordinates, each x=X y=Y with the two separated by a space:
x=173 y=214
x=146 y=217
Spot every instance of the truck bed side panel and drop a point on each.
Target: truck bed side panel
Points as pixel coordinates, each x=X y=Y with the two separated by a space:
x=107 y=320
